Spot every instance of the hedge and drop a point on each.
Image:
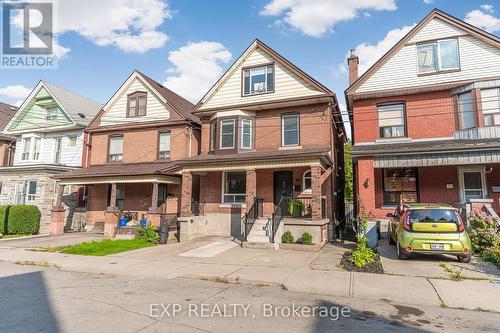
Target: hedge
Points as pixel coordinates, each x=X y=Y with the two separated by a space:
x=23 y=219
x=4 y=214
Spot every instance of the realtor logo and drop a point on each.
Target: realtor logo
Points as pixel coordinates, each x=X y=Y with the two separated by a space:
x=27 y=35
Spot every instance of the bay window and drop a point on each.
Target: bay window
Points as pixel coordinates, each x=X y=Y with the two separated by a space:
x=31 y=147
x=246 y=133
x=438 y=56
x=290 y=129
x=400 y=184
x=258 y=80
x=391 y=120
x=227 y=128
x=466 y=111
x=490 y=105
x=234 y=187
x=213 y=135
x=25 y=155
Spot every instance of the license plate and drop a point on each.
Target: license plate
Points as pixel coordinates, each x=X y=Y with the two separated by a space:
x=437 y=247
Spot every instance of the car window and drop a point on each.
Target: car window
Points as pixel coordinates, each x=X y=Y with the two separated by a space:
x=433 y=215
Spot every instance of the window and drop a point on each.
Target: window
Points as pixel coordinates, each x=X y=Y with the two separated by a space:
x=490 y=103
x=400 y=184
x=438 y=56
x=466 y=111
x=473 y=185
x=306 y=181
x=246 y=133
x=213 y=135
x=57 y=150
x=31 y=191
x=258 y=80
x=391 y=120
x=234 y=187
x=164 y=146
x=290 y=129
x=71 y=140
x=36 y=148
x=25 y=155
x=115 y=148
x=51 y=113
x=136 y=106
x=227 y=134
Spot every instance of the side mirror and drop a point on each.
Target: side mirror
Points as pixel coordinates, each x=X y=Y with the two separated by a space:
x=390 y=215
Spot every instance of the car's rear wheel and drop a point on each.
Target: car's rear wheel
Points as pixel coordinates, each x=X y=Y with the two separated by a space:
x=466 y=258
x=402 y=255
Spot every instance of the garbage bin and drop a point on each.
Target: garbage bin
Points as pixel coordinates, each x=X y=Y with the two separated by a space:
x=163 y=230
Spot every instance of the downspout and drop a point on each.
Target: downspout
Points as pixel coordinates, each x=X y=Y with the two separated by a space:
x=190 y=140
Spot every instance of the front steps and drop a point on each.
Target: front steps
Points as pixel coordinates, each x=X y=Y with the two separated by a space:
x=259 y=236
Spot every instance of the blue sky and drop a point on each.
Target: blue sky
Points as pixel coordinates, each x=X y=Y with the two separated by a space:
x=187 y=44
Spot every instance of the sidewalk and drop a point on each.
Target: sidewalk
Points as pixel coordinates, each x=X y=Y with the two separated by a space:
x=468 y=294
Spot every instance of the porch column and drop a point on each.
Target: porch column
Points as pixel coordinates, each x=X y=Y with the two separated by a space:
x=112 y=200
x=251 y=191
x=154 y=198
x=186 y=194
x=316 y=193
x=57 y=215
x=111 y=215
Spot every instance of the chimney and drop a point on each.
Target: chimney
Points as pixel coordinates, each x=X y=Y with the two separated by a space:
x=352 y=63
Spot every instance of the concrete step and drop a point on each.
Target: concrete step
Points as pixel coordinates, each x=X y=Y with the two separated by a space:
x=98 y=227
x=258 y=238
x=258 y=245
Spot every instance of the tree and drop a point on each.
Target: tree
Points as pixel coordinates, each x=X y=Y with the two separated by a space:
x=348 y=190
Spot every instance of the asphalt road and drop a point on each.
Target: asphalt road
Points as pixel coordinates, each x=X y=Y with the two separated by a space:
x=39 y=299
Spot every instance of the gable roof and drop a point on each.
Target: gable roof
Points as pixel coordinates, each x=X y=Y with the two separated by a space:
x=435 y=13
x=7 y=111
x=259 y=44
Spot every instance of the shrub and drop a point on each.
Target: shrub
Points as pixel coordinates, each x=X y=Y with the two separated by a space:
x=362 y=255
x=296 y=207
x=148 y=234
x=287 y=237
x=23 y=219
x=492 y=255
x=307 y=239
x=485 y=232
x=4 y=214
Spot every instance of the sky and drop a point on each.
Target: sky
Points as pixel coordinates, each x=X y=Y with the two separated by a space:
x=188 y=44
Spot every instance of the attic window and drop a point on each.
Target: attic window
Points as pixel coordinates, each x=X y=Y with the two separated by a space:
x=136 y=104
x=258 y=80
x=441 y=55
x=51 y=113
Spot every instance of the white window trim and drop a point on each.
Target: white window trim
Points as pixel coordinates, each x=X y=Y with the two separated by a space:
x=60 y=149
x=223 y=194
x=461 y=185
x=49 y=113
x=250 y=93
x=438 y=55
x=304 y=181
x=283 y=129
x=251 y=136
x=234 y=132
x=31 y=149
x=69 y=140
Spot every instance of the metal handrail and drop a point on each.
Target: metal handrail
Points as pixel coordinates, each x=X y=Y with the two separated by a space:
x=277 y=217
x=253 y=214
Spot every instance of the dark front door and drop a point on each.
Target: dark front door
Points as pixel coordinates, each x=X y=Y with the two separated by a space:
x=283 y=185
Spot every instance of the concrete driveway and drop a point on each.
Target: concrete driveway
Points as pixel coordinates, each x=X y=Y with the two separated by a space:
x=46 y=241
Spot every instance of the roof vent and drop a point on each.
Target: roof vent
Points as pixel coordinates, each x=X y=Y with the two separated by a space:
x=13 y=108
x=81 y=115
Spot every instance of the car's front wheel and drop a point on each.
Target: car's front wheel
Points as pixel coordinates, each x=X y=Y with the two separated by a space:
x=402 y=255
x=467 y=258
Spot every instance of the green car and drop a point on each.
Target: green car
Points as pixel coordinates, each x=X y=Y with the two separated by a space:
x=429 y=229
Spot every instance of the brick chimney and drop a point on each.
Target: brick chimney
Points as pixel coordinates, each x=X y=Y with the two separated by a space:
x=352 y=63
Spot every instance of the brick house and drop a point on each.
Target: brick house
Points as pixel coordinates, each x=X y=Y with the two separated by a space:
x=271 y=138
x=426 y=119
x=48 y=133
x=130 y=161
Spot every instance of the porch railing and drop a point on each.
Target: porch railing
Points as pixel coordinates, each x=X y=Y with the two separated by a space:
x=277 y=217
x=253 y=214
x=198 y=208
x=295 y=207
x=170 y=220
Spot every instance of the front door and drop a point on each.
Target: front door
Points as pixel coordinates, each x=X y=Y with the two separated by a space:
x=283 y=185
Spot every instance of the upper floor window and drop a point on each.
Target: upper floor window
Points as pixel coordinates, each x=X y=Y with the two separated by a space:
x=57 y=150
x=136 y=105
x=227 y=128
x=51 y=113
x=466 y=111
x=213 y=134
x=246 y=133
x=164 y=146
x=31 y=148
x=115 y=148
x=71 y=140
x=437 y=56
x=490 y=104
x=290 y=129
x=258 y=80
x=391 y=120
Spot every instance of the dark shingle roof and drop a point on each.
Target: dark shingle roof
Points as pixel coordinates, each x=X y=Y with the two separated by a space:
x=7 y=111
x=120 y=169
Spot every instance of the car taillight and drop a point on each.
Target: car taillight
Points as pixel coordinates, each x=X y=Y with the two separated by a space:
x=460 y=223
x=406 y=222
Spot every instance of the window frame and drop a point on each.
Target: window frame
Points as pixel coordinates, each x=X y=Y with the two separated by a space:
x=30 y=197
x=266 y=90
x=137 y=96
x=250 y=122
x=304 y=177
x=109 y=146
x=283 y=116
x=31 y=155
x=438 y=70
x=405 y=128
x=57 y=153
x=417 y=186
x=160 y=157
x=72 y=138
x=461 y=181
x=493 y=114
x=23 y=148
x=51 y=113
x=223 y=189
x=233 y=133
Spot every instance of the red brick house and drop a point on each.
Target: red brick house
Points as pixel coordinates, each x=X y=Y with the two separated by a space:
x=131 y=152
x=271 y=138
x=426 y=119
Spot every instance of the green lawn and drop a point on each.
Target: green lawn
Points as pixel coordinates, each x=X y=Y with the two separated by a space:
x=14 y=236
x=105 y=247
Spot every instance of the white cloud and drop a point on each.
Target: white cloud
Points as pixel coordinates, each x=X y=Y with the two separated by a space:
x=60 y=51
x=196 y=67
x=317 y=17
x=369 y=53
x=484 y=18
x=428 y=2
x=15 y=92
x=133 y=26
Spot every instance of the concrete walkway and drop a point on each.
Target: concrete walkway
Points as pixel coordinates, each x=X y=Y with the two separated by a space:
x=304 y=272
